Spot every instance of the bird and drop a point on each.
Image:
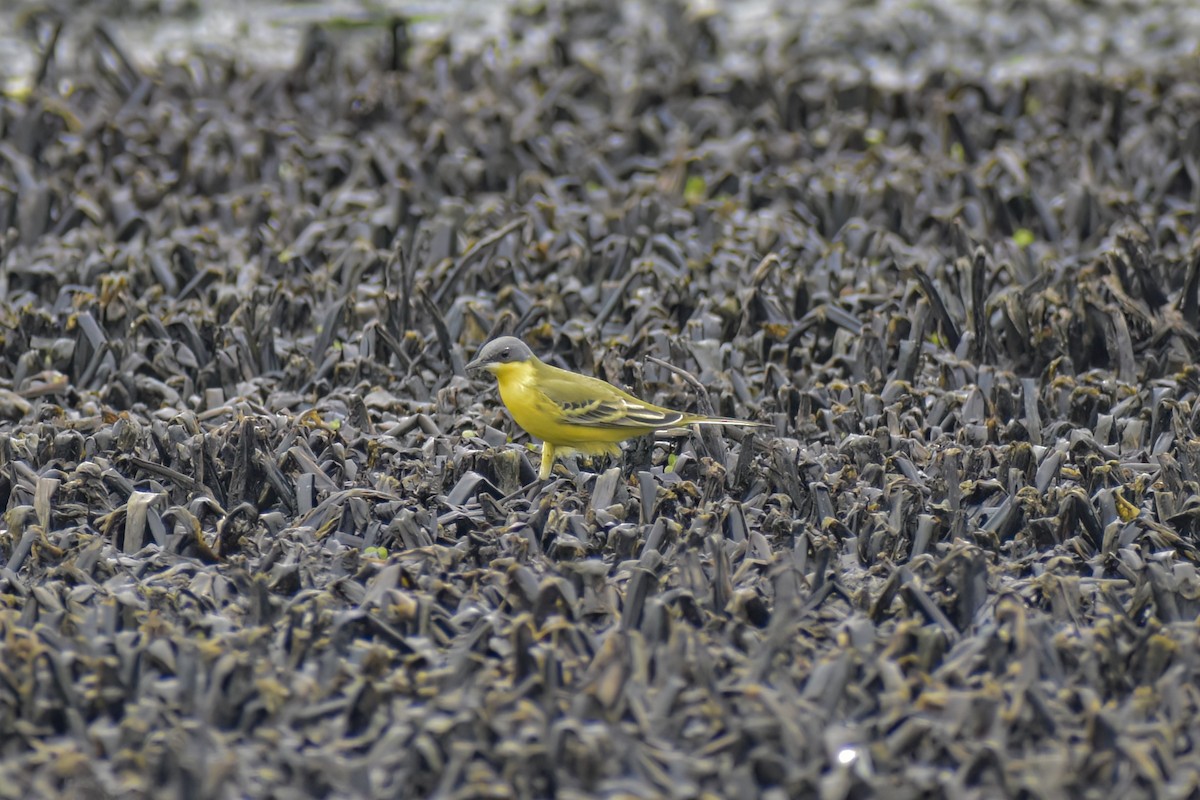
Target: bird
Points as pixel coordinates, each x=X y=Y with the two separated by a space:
x=573 y=413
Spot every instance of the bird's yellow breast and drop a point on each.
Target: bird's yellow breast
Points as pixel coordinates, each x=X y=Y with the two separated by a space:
x=540 y=416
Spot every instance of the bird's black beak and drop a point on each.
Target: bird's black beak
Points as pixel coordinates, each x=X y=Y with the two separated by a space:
x=474 y=364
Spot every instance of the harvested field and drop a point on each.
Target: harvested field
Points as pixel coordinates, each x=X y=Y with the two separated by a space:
x=263 y=536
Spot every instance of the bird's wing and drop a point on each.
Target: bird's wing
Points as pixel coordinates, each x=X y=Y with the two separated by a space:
x=583 y=400
x=620 y=413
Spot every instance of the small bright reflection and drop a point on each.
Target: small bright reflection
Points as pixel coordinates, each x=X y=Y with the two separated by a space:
x=847 y=755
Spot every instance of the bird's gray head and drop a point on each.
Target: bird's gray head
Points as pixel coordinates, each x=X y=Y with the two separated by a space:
x=498 y=352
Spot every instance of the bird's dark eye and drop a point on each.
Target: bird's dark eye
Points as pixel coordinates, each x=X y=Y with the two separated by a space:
x=504 y=353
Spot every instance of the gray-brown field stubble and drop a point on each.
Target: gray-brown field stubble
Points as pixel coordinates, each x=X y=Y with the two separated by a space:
x=947 y=255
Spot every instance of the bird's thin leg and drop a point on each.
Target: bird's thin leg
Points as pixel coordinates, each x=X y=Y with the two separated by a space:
x=547 y=461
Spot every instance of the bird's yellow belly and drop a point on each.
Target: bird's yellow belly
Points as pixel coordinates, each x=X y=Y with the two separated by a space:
x=538 y=415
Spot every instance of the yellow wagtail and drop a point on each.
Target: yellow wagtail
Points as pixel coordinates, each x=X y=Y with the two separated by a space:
x=574 y=413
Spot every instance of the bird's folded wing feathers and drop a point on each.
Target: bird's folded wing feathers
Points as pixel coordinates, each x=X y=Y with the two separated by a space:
x=583 y=400
x=618 y=413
